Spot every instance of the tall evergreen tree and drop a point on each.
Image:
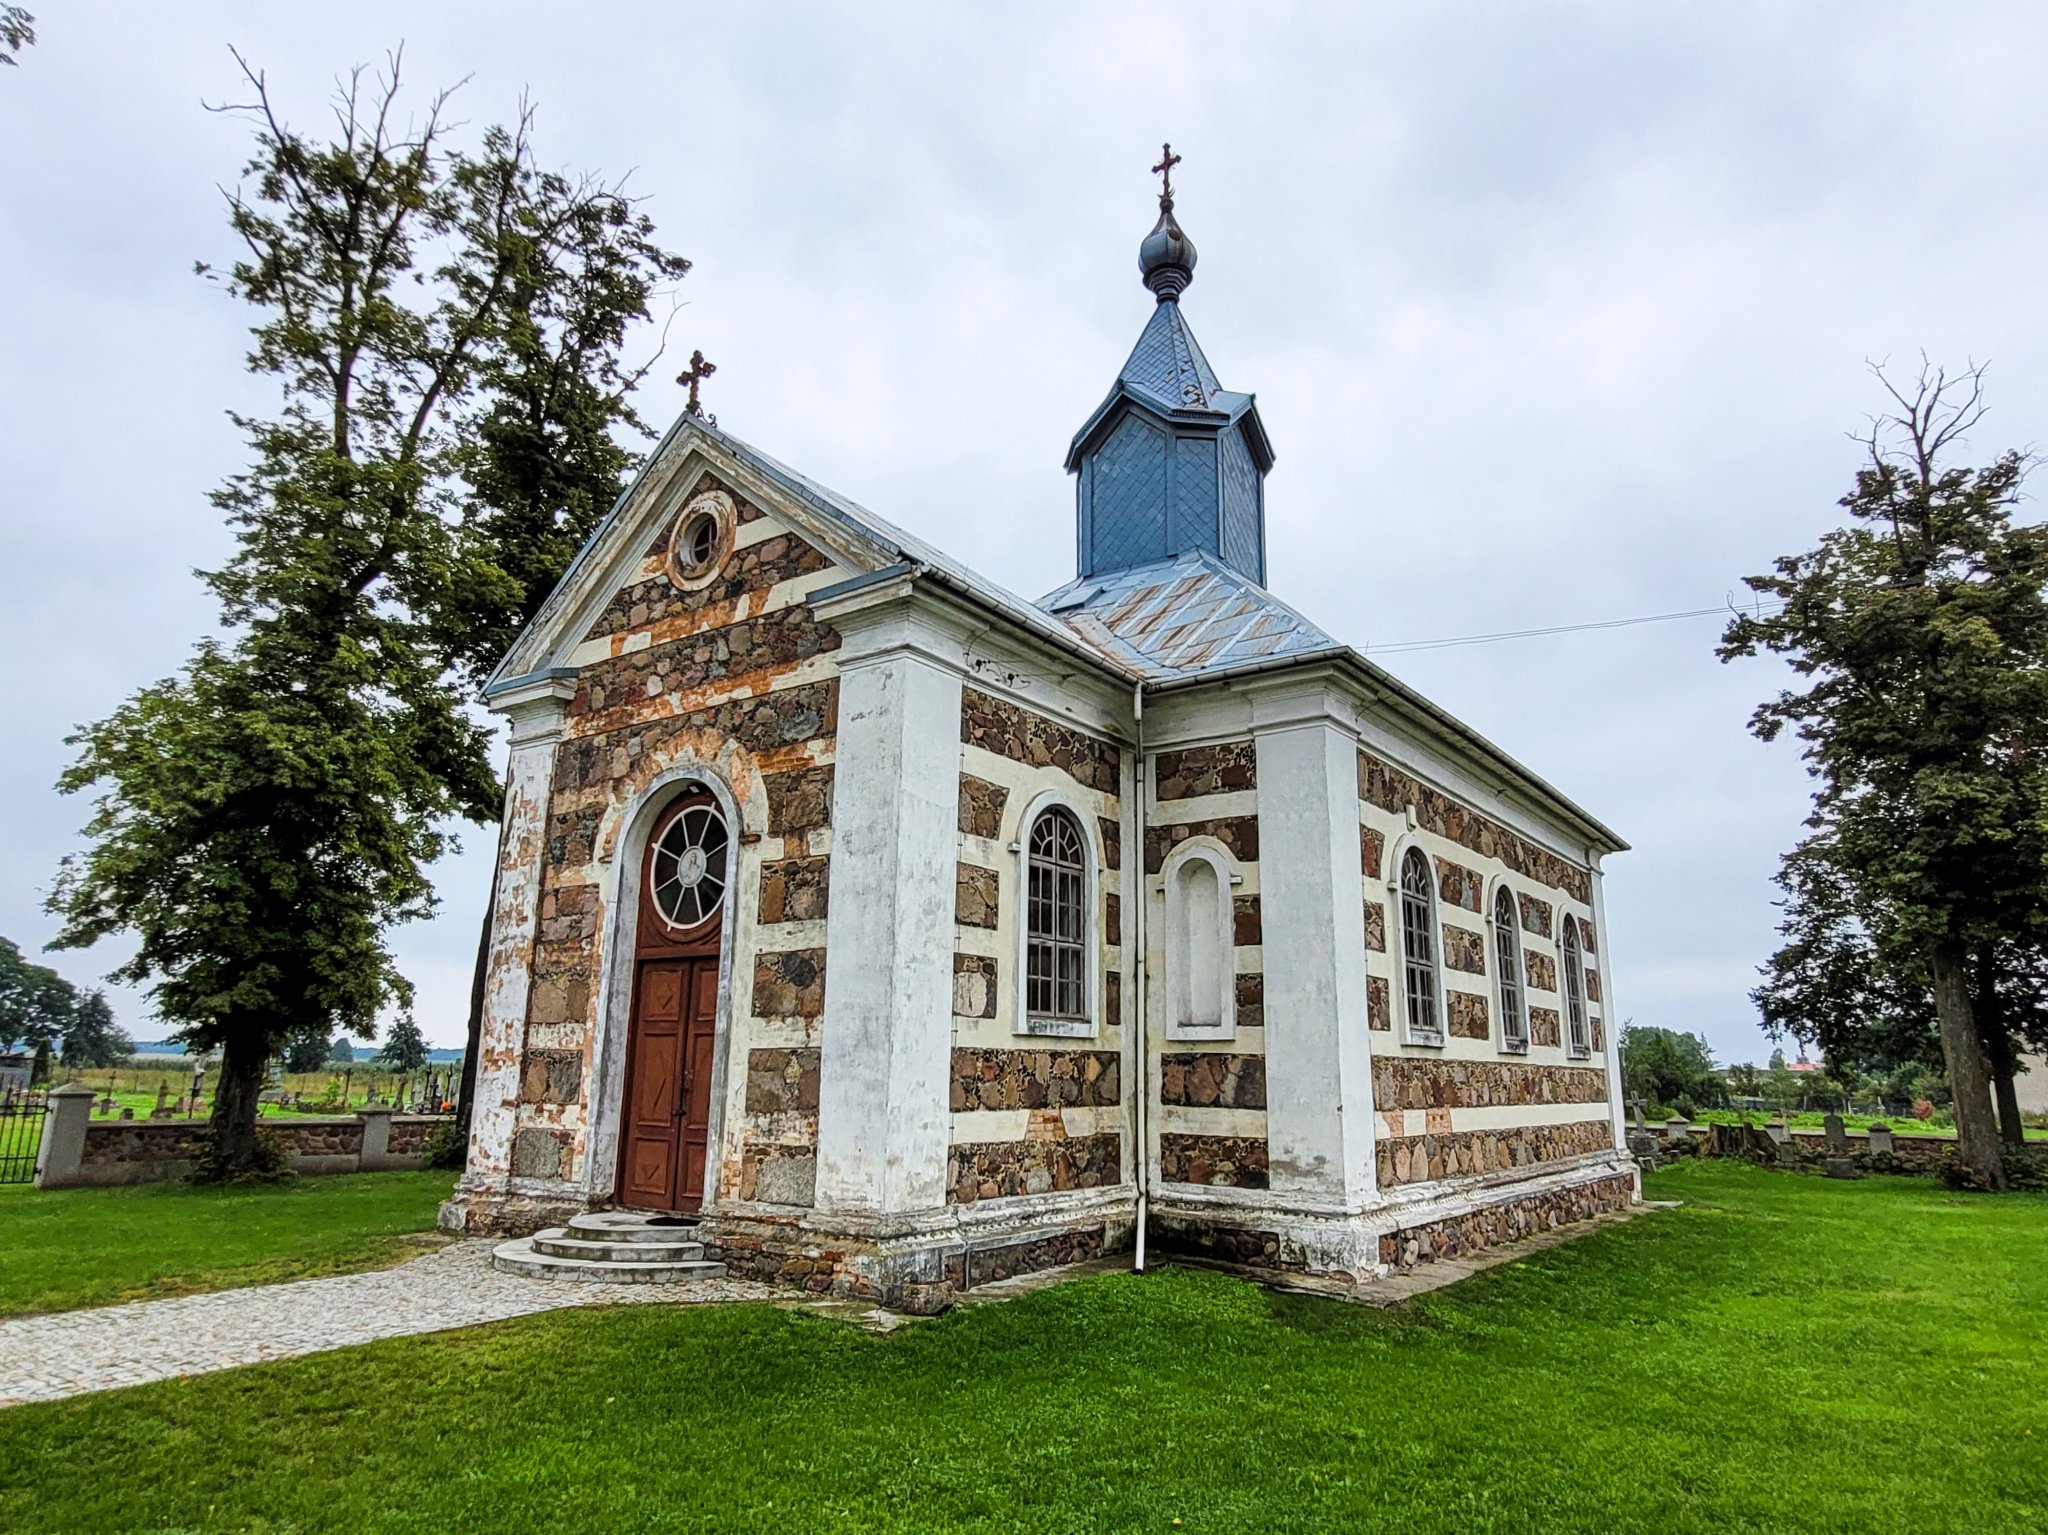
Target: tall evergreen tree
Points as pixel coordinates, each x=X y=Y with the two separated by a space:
x=405 y=1048
x=93 y=1038
x=1920 y=634
x=265 y=817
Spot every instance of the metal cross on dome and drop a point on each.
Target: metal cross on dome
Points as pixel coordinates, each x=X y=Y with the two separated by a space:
x=695 y=374
x=1164 y=170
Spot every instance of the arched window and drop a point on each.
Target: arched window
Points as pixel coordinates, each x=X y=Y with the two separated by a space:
x=1574 y=988
x=1418 y=947
x=1507 y=959
x=1056 y=920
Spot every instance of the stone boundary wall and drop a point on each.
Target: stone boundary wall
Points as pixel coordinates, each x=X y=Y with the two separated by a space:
x=83 y=1153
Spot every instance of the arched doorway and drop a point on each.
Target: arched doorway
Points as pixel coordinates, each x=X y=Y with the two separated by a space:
x=673 y=1022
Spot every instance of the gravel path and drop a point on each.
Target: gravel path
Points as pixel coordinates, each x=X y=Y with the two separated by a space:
x=45 y=1358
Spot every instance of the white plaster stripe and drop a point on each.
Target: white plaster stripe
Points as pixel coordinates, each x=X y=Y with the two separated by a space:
x=1227 y=805
x=1189 y=1119
x=47 y=1358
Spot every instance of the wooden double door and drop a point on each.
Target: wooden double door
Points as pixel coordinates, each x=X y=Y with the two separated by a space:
x=664 y=1140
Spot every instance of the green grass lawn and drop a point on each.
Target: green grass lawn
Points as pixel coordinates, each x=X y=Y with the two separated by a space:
x=1816 y=1121
x=1783 y=1353
x=65 y=1248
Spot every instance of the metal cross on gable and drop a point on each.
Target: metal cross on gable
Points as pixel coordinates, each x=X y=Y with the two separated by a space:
x=1164 y=170
x=695 y=374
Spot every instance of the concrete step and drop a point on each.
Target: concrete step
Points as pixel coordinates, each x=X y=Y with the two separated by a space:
x=519 y=1257
x=556 y=1242
x=628 y=1226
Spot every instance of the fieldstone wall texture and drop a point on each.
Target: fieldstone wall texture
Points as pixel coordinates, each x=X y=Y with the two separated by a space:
x=1457 y=885
x=1251 y=1000
x=981 y=806
x=1027 y=737
x=1471 y=1153
x=985 y=1265
x=551 y=1076
x=790 y=984
x=977 y=1170
x=1458 y=1236
x=782 y=1081
x=976 y=896
x=1464 y=949
x=1238 y=833
x=974 y=985
x=1543 y=1026
x=1199 y=770
x=1214 y=1161
x=796 y=890
x=1468 y=1016
x=1540 y=969
x=1035 y=1079
x=1390 y=789
x=1536 y=915
x=1212 y=1079
x=1379 y=1013
x=1405 y=1082
x=752 y=569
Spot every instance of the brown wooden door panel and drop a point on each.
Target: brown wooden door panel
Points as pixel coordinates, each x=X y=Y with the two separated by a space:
x=665 y=1146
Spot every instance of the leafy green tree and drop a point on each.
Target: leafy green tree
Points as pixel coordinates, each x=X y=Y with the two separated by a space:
x=1919 y=632
x=340 y=1052
x=305 y=1051
x=265 y=817
x=1664 y=1066
x=1844 y=979
x=36 y=1003
x=93 y=1038
x=17 y=31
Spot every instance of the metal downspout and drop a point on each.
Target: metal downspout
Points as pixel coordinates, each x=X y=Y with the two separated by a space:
x=1142 y=1159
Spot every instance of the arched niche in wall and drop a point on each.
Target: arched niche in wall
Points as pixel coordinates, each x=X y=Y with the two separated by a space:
x=1201 y=983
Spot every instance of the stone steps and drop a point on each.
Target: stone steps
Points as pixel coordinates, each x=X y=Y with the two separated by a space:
x=611 y=1247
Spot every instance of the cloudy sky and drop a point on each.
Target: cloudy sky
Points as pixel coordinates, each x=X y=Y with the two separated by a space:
x=1556 y=313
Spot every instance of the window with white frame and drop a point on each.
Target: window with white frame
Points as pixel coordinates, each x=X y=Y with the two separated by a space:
x=1574 y=988
x=1507 y=959
x=1056 y=922
x=1419 y=948
x=1201 y=983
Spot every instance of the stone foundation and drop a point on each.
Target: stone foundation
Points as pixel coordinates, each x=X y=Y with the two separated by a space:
x=1507 y=1220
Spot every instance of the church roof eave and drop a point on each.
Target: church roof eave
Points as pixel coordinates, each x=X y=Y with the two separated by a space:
x=1377 y=684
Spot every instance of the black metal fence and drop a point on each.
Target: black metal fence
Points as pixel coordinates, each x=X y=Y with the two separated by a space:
x=21 y=1132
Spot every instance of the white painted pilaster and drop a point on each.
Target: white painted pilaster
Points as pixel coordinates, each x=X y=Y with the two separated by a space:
x=535 y=711
x=883 y=1123
x=1319 y=1131
x=1610 y=1021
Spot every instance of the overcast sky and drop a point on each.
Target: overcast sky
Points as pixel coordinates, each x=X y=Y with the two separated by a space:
x=1556 y=313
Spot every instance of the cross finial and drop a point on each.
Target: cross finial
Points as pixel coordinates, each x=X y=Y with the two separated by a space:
x=1164 y=171
x=695 y=374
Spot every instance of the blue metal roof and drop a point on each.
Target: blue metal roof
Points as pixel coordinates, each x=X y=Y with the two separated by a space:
x=1184 y=616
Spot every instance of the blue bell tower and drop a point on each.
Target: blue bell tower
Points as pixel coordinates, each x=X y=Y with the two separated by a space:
x=1171 y=462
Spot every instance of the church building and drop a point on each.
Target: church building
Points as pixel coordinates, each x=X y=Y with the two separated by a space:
x=895 y=932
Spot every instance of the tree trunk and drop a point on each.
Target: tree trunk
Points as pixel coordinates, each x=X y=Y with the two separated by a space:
x=465 y=1098
x=1977 y=1148
x=235 y=1092
x=1998 y=1053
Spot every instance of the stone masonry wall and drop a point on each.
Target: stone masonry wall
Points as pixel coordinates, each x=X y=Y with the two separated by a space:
x=1473 y=1153
x=736 y=675
x=1507 y=1221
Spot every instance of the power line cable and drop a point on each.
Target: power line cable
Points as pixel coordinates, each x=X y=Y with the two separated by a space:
x=1402 y=647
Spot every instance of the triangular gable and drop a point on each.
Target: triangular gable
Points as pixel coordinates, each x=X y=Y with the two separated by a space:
x=612 y=556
